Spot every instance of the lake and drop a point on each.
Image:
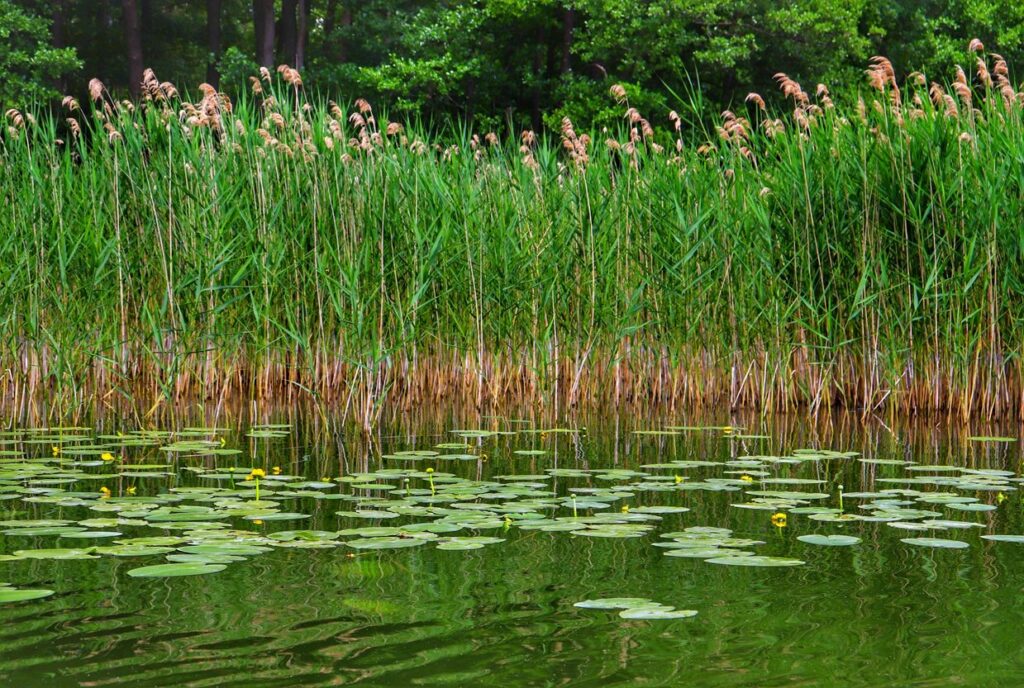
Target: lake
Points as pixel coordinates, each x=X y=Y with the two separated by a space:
x=469 y=574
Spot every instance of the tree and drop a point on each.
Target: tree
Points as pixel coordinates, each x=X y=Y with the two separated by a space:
x=29 y=61
x=288 y=31
x=133 y=45
x=213 y=42
x=263 y=23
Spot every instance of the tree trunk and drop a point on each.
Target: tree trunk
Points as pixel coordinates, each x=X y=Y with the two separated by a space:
x=330 y=13
x=289 y=28
x=263 y=22
x=213 y=42
x=133 y=42
x=302 y=40
x=60 y=37
x=346 y=21
x=568 y=24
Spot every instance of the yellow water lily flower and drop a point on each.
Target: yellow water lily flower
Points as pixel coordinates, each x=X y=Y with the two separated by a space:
x=130 y=490
x=679 y=479
x=276 y=470
x=325 y=479
x=55 y=449
x=625 y=508
x=104 y=492
x=257 y=473
x=779 y=520
x=107 y=456
x=746 y=478
x=257 y=522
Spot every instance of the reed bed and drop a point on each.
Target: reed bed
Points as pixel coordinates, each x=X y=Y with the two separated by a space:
x=812 y=255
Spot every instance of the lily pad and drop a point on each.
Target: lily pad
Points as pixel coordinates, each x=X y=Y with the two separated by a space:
x=657 y=613
x=13 y=595
x=756 y=561
x=177 y=569
x=615 y=603
x=1019 y=539
x=938 y=543
x=829 y=540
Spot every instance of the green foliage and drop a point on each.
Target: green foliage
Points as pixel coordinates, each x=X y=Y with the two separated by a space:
x=522 y=62
x=29 y=65
x=235 y=68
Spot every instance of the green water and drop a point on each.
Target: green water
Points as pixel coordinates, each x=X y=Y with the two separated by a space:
x=879 y=613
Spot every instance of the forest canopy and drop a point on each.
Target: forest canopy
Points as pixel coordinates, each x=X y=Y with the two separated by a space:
x=490 y=62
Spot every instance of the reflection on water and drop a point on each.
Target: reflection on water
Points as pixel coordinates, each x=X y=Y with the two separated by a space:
x=879 y=613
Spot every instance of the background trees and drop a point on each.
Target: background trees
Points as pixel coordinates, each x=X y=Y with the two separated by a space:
x=491 y=61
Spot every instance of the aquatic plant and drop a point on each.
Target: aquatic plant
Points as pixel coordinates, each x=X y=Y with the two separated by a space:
x=851 y=249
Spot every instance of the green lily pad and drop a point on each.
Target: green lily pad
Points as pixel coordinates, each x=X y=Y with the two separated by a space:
x=57 y=553
x=614 y=603
x=13 y=595
x=1019 y=539
x=829 y=540
x=756 y=561
x=938 y=543
x=177 y=569
x=661 y=612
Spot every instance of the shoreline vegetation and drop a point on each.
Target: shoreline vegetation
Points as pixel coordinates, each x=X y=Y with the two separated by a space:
x=864 y=254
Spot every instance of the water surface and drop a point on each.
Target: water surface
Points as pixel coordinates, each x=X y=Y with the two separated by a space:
x=879 y=613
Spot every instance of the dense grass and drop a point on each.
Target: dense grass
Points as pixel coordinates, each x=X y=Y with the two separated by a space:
x=865 y=256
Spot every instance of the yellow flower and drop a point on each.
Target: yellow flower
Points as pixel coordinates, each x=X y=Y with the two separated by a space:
x=746 y=478
x=679 y=479
x=257 y=522
x=130 y=490
x=779 y=520
x=325 y=479
x=55 y=449
x=107 y=456
x=104 y=492
x=276 y=470
x=222 y=441
x=625 y=508
x=430 y=470
x=258 y=473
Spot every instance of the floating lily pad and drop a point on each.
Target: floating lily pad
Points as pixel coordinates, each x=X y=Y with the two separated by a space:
x=14 y=595
x=938 y=543
x=657 y=613
x=614 y=603
x=1019 y=539
x=756 y=561
x=829 y=540
x=177 y=569
x=58 y=553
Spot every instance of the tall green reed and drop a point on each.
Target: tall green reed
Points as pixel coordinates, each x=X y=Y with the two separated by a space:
x=811 y=255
